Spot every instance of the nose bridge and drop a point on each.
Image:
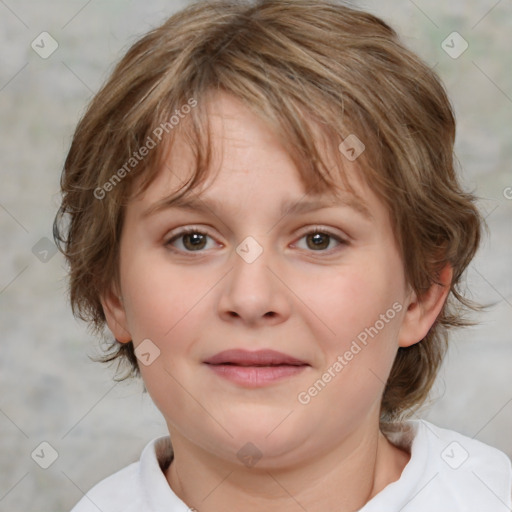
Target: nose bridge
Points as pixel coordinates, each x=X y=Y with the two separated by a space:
x=252 y=291
x=250 y=276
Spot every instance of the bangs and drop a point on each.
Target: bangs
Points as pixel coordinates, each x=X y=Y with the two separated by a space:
x=311 y=144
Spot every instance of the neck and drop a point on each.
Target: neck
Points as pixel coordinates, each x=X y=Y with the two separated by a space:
x=344 y=479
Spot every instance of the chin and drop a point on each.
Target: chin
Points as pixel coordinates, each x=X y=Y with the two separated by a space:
x=271 y=442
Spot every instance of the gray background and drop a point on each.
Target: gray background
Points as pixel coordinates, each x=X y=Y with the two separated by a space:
x=49 y=389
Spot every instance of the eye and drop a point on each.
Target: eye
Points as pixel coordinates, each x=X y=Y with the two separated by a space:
x=191 y=240
x=319 y=239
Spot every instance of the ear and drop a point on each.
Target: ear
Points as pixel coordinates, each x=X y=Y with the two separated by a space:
x=422 y=311
x=115 y=314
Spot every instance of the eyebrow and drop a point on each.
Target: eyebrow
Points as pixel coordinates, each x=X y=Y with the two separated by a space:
x=288 y=207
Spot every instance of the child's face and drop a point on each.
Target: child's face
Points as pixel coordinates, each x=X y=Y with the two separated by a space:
x=308 y=301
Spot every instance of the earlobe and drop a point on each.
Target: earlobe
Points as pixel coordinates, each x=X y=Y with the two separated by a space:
x=423 y=311
x=115 y=315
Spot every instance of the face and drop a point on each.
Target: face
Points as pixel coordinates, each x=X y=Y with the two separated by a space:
x=256 y=322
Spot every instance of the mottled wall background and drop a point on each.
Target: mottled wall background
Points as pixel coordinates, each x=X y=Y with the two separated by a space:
x=49 y=390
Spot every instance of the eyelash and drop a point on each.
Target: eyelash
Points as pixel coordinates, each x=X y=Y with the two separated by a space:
x=194 y=230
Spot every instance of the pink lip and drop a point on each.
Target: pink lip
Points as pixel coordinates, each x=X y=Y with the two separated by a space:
x=255 y=369
x=257 y=358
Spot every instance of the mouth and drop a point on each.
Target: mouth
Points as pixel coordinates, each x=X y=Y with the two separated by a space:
x=258 y=358
x=255 y=369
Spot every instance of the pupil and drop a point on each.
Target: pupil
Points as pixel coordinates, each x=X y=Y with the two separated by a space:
x=317 y=240
x=196 y=239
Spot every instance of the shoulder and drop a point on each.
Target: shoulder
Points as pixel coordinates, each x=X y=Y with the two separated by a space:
x=463 y=470
x=118 y=492
x=447 y=472
x=139 y=487
x=458 y=451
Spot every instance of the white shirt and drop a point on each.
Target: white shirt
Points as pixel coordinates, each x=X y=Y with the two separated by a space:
x=447 y=472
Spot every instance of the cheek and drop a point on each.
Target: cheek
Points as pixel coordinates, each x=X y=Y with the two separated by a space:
x=353 y=300
x=363 y=310
x=160 y=297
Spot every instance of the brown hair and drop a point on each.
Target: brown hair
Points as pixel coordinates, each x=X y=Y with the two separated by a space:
x=301 y=65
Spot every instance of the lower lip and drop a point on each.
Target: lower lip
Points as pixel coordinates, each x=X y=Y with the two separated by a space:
x=256 y=376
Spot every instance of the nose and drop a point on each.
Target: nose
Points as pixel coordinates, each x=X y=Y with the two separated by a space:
x=254 y=291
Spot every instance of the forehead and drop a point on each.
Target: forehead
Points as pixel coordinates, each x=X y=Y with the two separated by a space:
x=249 y=156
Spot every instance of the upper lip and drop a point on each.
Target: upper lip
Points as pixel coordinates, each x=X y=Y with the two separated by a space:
x=254 y=358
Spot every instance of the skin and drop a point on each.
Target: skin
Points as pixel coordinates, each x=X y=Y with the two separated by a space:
x=307 y=302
